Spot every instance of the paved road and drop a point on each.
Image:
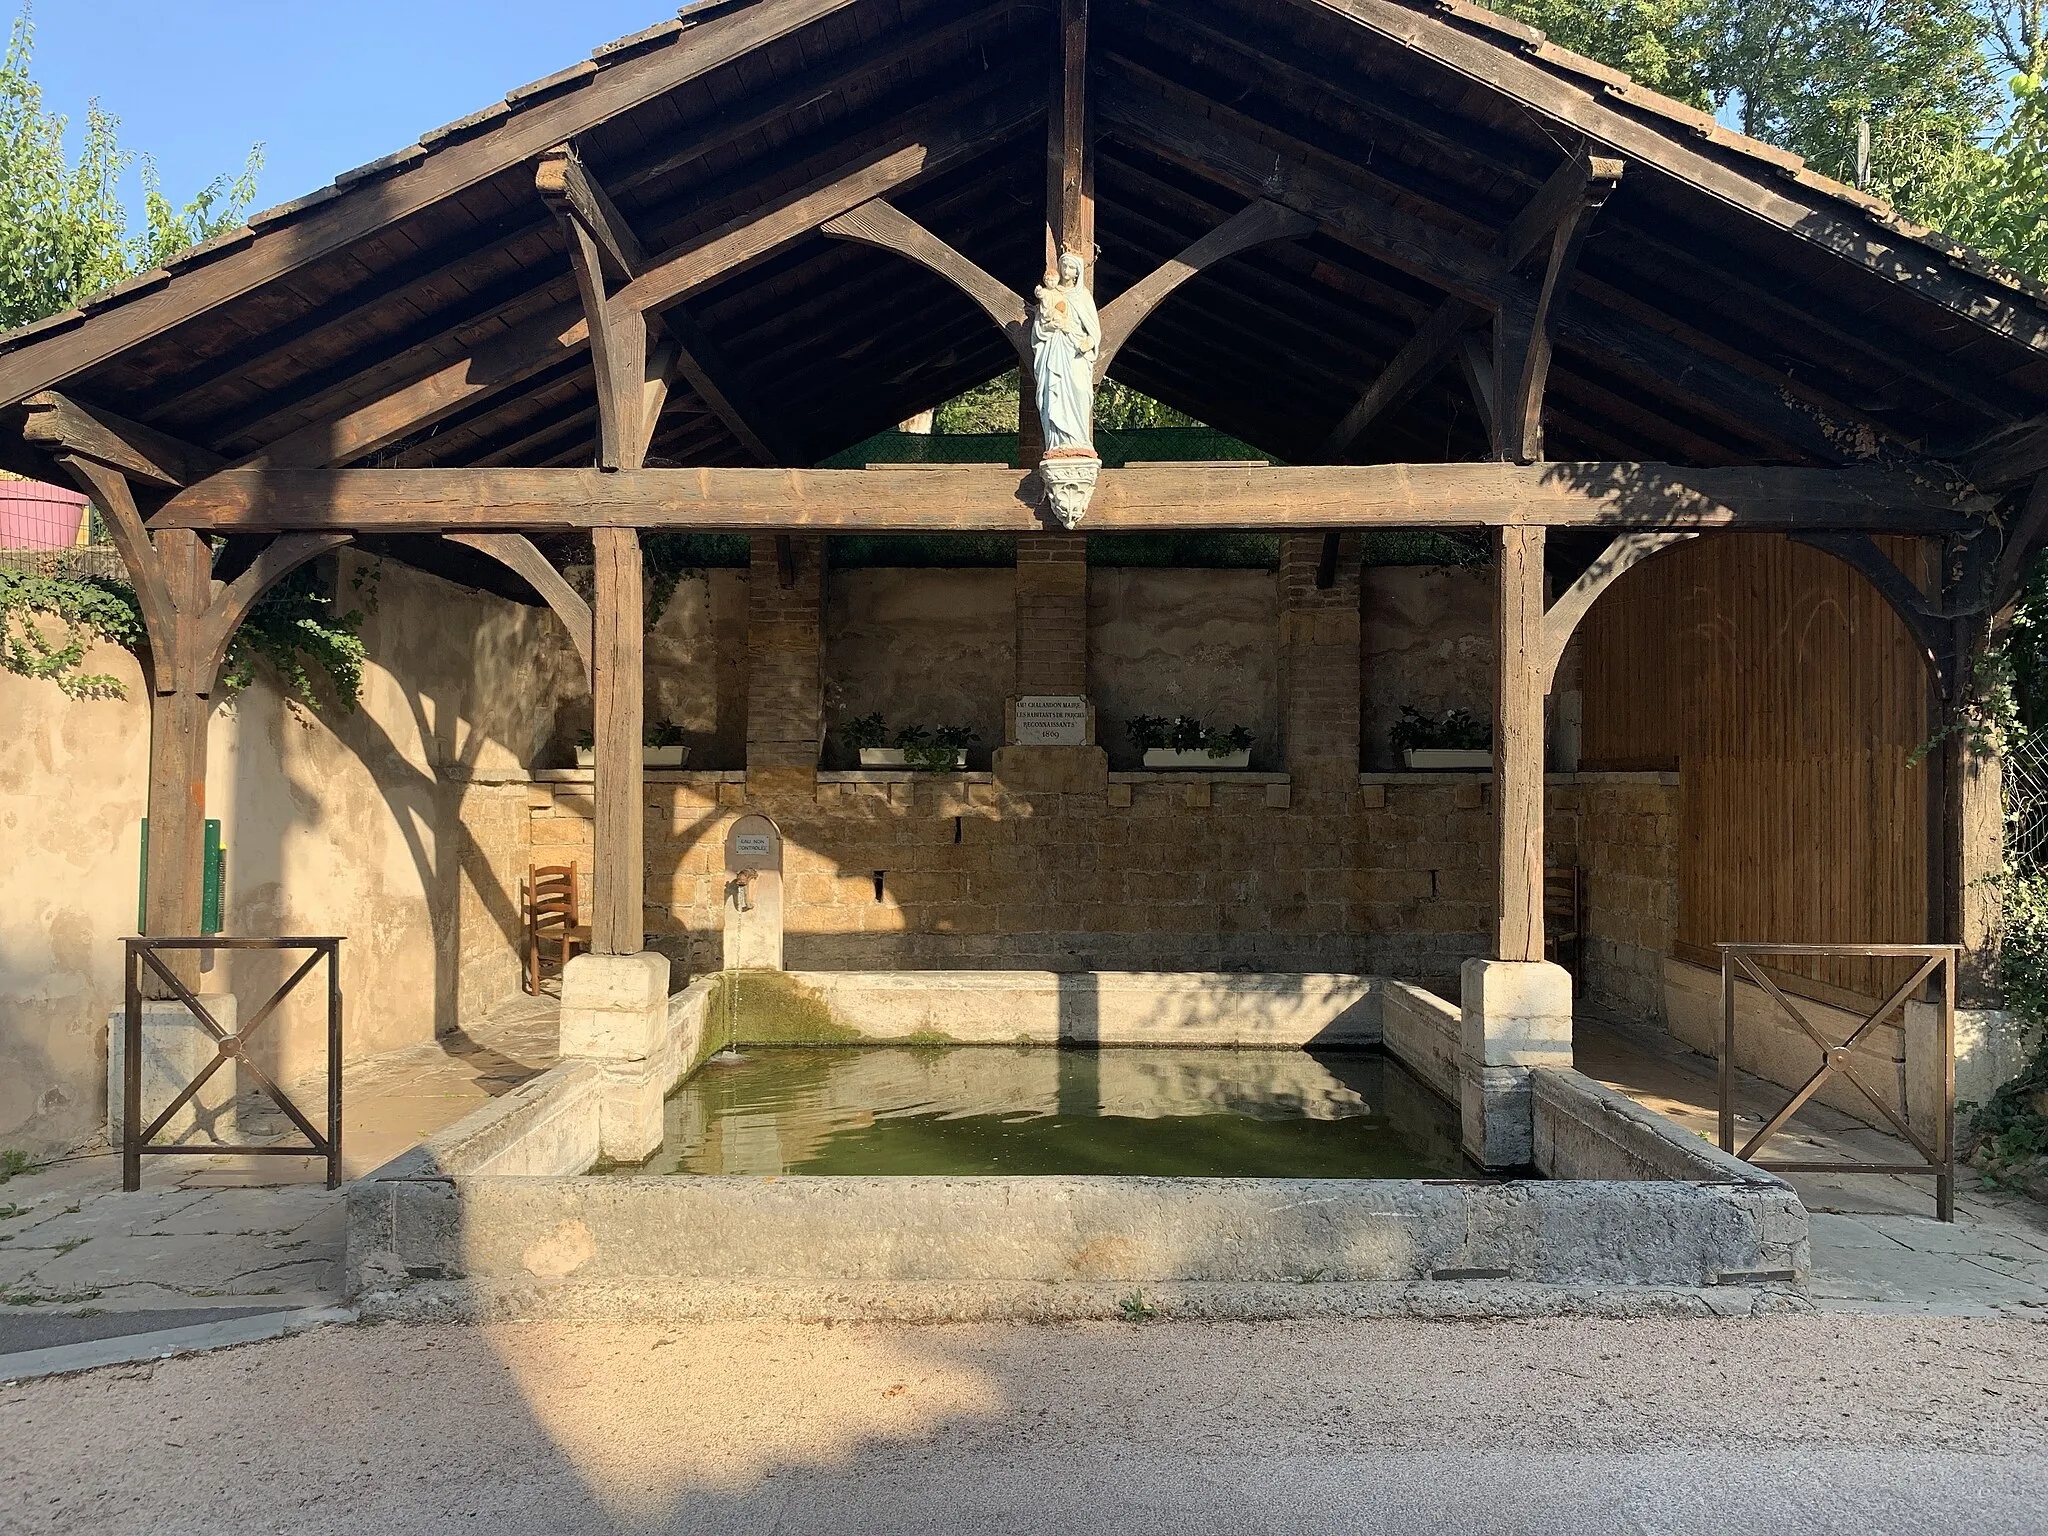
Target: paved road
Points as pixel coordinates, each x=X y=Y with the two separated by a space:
x=1830 y=1423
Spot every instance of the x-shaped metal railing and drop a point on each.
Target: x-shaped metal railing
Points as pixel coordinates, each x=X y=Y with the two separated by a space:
x=138 y=1139
x=1939 y=1158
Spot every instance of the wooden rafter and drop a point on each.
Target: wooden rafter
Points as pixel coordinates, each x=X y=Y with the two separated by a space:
x=879 y=224
x=269 y=256
x=1521 y=368
x=1562 y=204
x=1140 y=497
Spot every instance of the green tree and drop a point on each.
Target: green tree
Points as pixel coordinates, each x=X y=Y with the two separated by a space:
x=64 y=231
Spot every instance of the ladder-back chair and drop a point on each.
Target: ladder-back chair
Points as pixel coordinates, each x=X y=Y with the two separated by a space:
x=553 y=925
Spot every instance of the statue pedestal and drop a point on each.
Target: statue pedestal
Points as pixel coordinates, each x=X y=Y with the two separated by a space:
x=1069 y=475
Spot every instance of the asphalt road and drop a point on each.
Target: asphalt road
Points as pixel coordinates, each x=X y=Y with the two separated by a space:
x=1867 y=1424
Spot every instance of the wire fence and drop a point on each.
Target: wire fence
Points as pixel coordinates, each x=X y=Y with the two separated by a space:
x=46 y=530
x=2025 y=768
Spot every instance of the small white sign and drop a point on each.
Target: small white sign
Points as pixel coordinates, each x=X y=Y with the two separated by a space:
x=754 y=845
x=1052 y=720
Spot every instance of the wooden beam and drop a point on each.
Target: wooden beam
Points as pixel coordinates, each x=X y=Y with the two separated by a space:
x=459 y=164
x=2023 y=542
x=632 y=385
x=62 y=424
x=1228 y=150
x=1071 y=215
x=115 y=498
x=1933 y=632
x=879 y=224
x=518 y=553
x=1412 y=367
x=2010 y=455
x=1562 y=620
x=1476 y=359
x=1518 y=397
x=574 y=193
x=517 y=355
x=1147 y=497
x=1518 y=743
x=225 y=613
x=617 y=922
x=925 y=152
x=1577 y=101
x=1558 y=204
x=1259 y=223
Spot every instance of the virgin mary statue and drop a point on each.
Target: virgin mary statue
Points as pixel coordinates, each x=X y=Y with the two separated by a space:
x=1066 y=336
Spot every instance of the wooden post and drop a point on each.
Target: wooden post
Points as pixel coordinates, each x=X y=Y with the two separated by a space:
x=617 y=926
x=1518 y=744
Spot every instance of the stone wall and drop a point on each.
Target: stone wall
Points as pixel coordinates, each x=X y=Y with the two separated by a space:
x=384 y=825
x=923 y=647
x=1180 y=642
x=1621 y=830
x=1428 y=641
x=1155 y=872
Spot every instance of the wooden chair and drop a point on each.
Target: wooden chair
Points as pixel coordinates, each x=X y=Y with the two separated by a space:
x=1564 y=917
x=552 y=905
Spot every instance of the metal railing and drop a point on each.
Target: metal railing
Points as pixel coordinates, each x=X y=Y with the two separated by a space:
x=1938 y=1160
x=137 y=1139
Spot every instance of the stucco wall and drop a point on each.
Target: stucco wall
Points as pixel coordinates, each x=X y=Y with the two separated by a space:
x=1428 y=638
x=1185 y=642
x=381 y=825
x=924 y=647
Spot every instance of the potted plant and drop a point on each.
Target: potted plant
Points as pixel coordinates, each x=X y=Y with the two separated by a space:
x=661 y=746
x=1184 y=742
x=941 y=749
x=1452 y=741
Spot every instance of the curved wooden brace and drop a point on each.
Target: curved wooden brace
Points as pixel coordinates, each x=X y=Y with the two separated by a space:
x=111 y=492
x=1259 y=223
x=1933 y=632
x=880 y=224
x=517 y=552
x=1562 y=619
x=2022 y=542
x=224 y=615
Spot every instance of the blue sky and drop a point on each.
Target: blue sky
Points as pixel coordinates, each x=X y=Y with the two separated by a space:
x=323 y=86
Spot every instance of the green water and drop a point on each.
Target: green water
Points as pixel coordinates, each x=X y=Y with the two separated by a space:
x=1036 y=1110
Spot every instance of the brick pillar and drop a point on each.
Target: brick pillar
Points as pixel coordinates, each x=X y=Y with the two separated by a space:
x=785 y=652
x=1319 y=662
x=1052 y=659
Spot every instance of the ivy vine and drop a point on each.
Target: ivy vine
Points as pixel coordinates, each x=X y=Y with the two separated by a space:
x=294 y=630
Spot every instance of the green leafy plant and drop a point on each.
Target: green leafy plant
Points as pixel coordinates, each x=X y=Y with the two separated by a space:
x=1454 y=731
x=661 y=733
x=866 y=732
x=13 y=1162
x=935 y=749
x=85 y=610
x=1184 y=733
x=1136 y=1309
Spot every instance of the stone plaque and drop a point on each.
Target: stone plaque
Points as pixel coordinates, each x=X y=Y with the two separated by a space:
x=1052 y=720
x=753 y=843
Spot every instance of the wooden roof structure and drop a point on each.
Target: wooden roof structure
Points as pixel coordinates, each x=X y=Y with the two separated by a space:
x=1727 y=306
x=1450 y=274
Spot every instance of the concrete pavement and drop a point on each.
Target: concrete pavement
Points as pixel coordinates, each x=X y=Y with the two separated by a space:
x=1815 y=1423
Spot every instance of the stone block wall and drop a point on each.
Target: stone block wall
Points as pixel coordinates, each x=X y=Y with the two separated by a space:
x=785 y=652
x=1621 y=829
x=1153 y=872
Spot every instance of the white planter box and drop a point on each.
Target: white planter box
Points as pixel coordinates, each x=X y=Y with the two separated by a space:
x=1440 y=758
x=892 y=757
x=1174 y=759
x=650 y=757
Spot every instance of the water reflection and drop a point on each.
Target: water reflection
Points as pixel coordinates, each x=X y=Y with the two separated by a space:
x=1037 y=1110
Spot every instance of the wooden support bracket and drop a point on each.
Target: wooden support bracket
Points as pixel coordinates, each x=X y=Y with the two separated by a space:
x=518 y=553
x=1561 y=620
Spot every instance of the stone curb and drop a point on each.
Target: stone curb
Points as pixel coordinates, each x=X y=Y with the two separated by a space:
x=128 y=1349
x=1034 y=1302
